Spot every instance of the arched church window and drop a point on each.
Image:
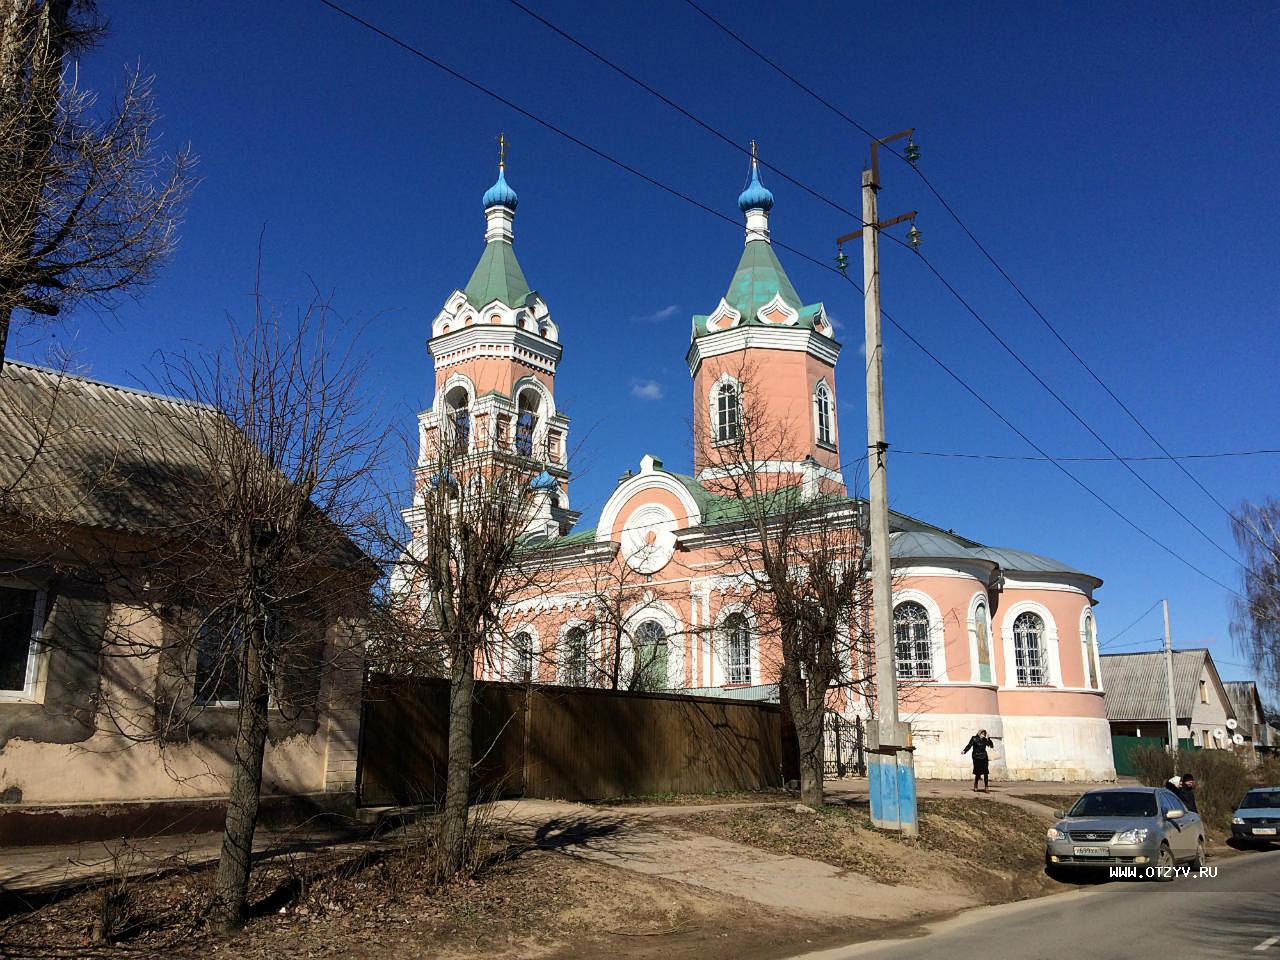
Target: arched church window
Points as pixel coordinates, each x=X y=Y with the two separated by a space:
x=737 y=640
x=650 y=649
x=728 y=408
x=575 y=662
x=1089 y=640
x=526 y=421
x=458 y=407
x=822 y=413
x=518 y=664
x=913 y=646
x=1028 y=650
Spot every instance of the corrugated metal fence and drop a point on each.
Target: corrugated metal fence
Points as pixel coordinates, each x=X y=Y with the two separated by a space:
x=566 y=742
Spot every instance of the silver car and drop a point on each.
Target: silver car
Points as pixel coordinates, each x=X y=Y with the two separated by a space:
x=1145 y=830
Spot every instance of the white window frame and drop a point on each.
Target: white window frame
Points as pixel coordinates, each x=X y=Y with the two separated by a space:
x=914 y=642
x=1090 y=650
x=936 y=631
x=713 y=399
x=1052 y=654
x=821 y=392
x=667 y=617
x=562 y=641
x=509 y=652
x=35 y=675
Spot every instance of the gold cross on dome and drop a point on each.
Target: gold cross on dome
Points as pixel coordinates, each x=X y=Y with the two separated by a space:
x=502 y=151
x=753 y=151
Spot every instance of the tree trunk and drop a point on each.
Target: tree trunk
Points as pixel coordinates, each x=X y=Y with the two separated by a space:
x=231 y=885
x=453 y=828
x=807 y=720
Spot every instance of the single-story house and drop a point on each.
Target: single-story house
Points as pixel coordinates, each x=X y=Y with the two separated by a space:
x=1137 y=698
x=1251 y=718
x=88 y=673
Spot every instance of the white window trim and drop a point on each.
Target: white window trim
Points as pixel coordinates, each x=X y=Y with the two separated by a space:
x=937 y=635
x=509 y=648
x=36 y=674
x=1090 y=651
x=974 y=674
x=670 y=621
x=719 y=655
x=713 y=396
x=562 y=639
x=1051 y=652
x=819 y=388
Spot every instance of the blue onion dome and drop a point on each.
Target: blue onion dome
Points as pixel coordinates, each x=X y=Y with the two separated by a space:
x=757 y=195
x=500 y=194
x=543 y=481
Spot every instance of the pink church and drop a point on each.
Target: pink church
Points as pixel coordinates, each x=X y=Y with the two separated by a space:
x=986 y=637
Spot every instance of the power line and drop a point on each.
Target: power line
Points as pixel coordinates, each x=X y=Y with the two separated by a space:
x=1146 y=613
x=985 y=252
x=934 y=270
x=595 y=151
x=1143 y=459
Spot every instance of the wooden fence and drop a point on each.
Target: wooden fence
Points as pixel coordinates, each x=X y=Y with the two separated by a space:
x=567 y=743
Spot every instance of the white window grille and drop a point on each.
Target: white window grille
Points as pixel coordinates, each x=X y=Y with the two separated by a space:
x=575 y=668
x=728 y=413
x=737 y=636
x=518 y=664
x=914 y=647
x=822 y=409
x=1028 y=650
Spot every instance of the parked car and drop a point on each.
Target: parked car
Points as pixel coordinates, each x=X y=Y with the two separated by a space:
x=1257 y=819
x=1139 y=827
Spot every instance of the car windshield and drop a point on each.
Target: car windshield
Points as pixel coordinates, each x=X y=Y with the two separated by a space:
x=1115 y=804
x=1258 y=799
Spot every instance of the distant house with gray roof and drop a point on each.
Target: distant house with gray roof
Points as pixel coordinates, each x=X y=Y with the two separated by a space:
x=1251 y=717
x=1137 y=698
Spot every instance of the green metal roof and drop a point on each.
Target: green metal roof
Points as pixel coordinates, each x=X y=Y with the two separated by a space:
x=497 y=277
x=758 y=279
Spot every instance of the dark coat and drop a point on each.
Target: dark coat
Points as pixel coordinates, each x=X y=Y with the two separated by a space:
x=1188 y=798
x=979 y=746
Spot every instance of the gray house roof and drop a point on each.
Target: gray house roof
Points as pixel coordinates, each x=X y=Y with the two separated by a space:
x=1137 y=688
x=77 y=450
x=925 y=544
x=1244 y=699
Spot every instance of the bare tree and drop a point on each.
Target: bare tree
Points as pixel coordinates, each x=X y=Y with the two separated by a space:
x=796 y=556
x=88 y=206
x=468 y=549
x=1256 y=620
x=266 y=559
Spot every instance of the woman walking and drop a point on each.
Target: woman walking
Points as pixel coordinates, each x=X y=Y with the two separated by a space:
x=979 y=744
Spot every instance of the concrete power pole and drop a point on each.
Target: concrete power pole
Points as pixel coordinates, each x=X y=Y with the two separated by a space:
x=891 y=770
x=1168 y=674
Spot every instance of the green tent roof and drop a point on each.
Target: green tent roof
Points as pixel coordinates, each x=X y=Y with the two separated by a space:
x=497 y=277
x=758 y=279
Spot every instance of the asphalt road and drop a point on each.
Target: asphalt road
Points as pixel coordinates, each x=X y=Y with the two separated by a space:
x=1235 y=914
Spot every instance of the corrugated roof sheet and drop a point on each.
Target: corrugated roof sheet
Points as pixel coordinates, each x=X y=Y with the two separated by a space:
x=1137 y=685
x=86 y=452
x=1243 y=695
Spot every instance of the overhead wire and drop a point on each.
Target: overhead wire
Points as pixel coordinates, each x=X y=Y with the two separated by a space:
x=1022 y=294
x=601 y=154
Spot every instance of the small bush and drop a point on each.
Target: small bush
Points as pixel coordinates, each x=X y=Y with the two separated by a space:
x=1221 y=778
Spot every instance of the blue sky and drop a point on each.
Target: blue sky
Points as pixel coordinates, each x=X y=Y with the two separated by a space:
x=1118 y=161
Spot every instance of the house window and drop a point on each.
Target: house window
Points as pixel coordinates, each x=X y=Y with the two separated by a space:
x=1204 y=691
x=219 y=646
x=982 y=629
x=1090 y=653
x=518 y=665
x=576 y=663
x=737 y=637
x=822 y=414
x=1028 y=650
x=19 y=615
x=914 y=648
x=650 y=648
x=728 y=409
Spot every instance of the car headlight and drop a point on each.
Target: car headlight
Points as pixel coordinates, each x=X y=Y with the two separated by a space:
x=1137 y=835
x=1053 y=833
x=1237 y=820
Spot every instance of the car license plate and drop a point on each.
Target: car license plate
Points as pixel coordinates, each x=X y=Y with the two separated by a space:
x=1092 y=852
x=1264 y=831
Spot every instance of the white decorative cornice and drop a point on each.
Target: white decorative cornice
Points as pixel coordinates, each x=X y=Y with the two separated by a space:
x=777 y=312
x=737 y=339
x=495 y=340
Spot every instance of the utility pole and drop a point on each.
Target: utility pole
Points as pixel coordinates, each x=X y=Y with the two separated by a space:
x=1168 y=674
x=891 y=771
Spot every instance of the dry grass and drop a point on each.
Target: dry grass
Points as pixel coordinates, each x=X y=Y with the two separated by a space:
x=699 y=799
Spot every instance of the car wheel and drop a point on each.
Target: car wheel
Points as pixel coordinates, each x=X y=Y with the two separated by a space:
x=1165 y=864
x=1197 y=862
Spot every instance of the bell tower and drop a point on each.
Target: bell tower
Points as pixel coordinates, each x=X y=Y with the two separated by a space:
x=763 y=363
x=496 y=348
